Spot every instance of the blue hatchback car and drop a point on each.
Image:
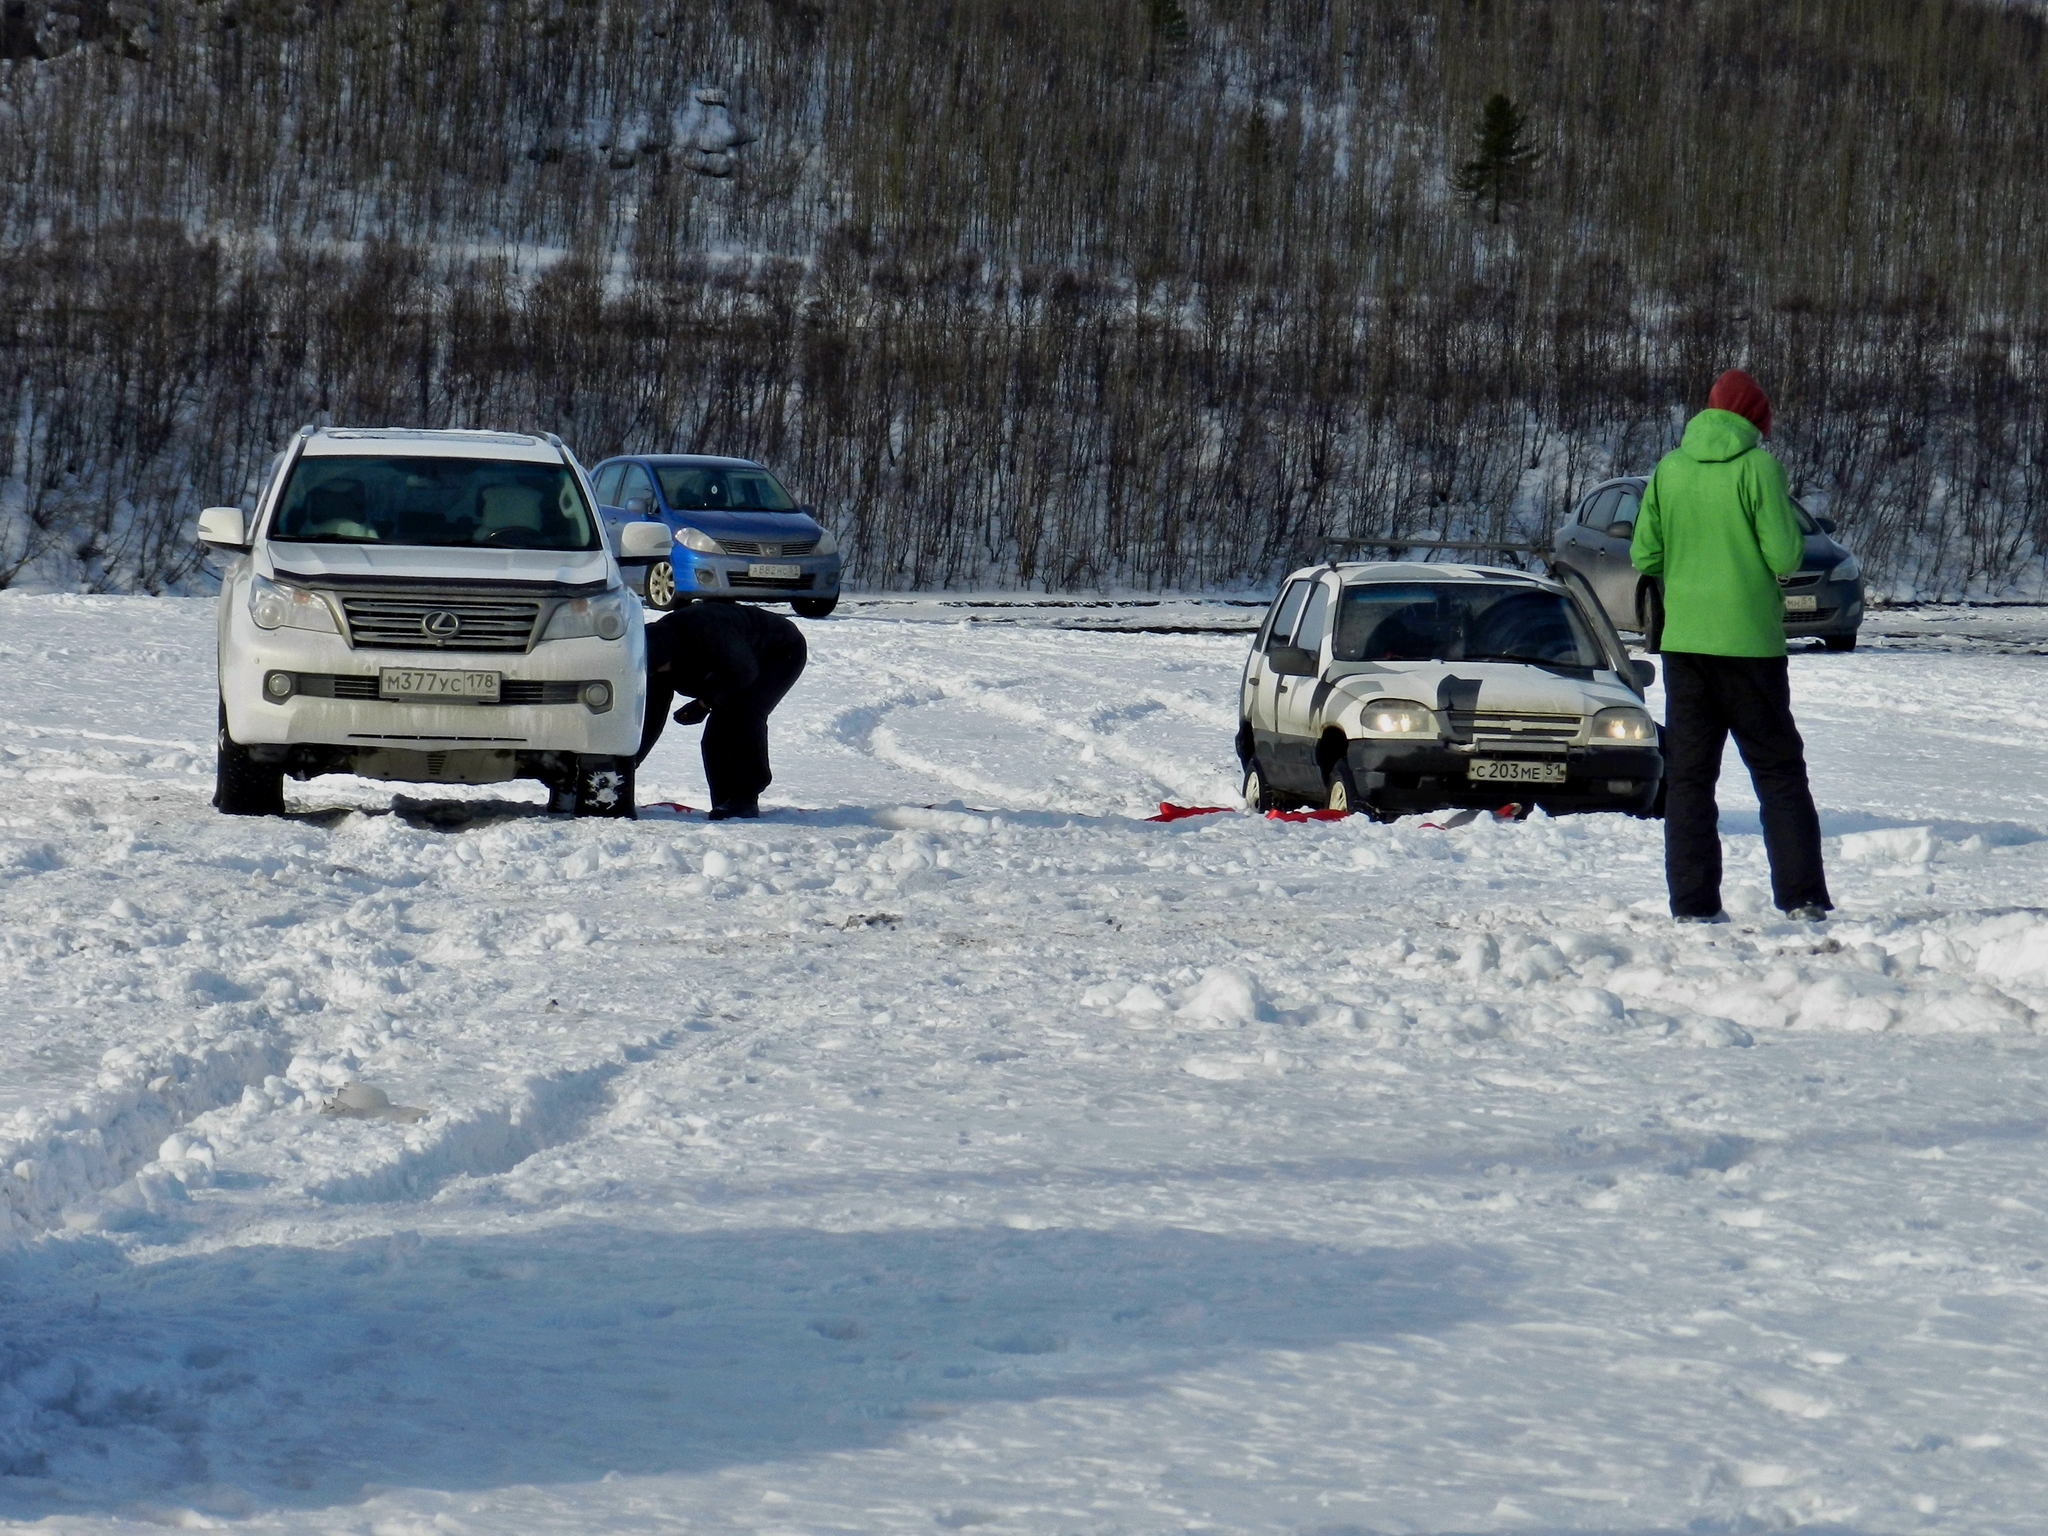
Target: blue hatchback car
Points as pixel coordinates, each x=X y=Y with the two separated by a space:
x=738 y=535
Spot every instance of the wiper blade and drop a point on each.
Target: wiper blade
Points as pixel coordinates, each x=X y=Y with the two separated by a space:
x=1562 y=668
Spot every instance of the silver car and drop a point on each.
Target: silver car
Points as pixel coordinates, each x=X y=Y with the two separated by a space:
x=1823 y=598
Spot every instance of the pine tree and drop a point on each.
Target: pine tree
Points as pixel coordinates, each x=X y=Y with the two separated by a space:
x=1500 y=172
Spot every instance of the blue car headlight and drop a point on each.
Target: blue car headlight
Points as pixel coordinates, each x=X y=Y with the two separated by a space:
x=1848 y=570
x=698 y=541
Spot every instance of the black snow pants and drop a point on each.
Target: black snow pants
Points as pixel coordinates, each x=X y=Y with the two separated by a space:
x=736 y=660
x=1707 y=699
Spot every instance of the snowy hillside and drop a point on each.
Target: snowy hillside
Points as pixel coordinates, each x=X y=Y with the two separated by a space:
x=953 y=1149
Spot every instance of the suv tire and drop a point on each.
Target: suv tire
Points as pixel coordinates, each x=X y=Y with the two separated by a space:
x=604 y=787
x=241 y=785
x=814 y=607
x=1258 y=791
x=1342 y=792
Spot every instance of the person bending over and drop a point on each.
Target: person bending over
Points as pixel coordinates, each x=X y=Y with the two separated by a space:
x=1716 y=524
x=734 y=663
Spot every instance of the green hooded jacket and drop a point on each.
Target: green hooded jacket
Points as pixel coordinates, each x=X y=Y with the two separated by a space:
x=1717 y=524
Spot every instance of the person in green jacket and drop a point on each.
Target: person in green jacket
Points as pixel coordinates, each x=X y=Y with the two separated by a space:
x=1716 y=525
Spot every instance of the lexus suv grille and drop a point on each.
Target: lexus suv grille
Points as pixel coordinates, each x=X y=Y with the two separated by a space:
x=412 y=621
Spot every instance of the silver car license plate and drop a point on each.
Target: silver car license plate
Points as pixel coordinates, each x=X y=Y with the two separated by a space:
x=1802 y=605
x=776 y=572
x=431 y=683
x=1496 y=770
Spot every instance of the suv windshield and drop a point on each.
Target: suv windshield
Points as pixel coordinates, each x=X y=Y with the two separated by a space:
x=497 y=503
x=1464 y=621
x=722 y=490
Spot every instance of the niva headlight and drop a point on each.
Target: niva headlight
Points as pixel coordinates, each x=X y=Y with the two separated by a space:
x=1848 y=570
x=700 y=541
x=1631 y=727
x=603 y=616
x=273 y=605
x=1398 y=717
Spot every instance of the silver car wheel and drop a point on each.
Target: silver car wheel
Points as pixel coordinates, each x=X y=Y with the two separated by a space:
x=661 y=585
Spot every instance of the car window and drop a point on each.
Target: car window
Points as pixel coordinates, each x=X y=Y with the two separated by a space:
x=636 y=483
x=1804 y=519
x=378 y=499
x=1285 y=612
x=1598 y=511
x=1461 y=621
x=1315 y=619
x=1626 y=502
x=690 y=488
x=608 y=484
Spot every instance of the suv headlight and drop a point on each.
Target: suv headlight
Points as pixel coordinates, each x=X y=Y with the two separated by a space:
x=703 y=543
x=827 y=545
x=273 y=605
x=1398 y=717
x=603 y=616
x=1848 y=570
x=1624 y=724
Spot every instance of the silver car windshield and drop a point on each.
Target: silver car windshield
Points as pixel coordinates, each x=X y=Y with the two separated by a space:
x=1463 y=621
x=441 y=502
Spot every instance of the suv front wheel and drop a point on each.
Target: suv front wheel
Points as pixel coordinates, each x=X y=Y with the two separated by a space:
x=604 y=787
x=241 y=785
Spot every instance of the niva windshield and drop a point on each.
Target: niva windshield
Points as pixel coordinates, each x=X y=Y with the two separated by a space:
x=1463 y=621
x=689 y=489
x=440 y=502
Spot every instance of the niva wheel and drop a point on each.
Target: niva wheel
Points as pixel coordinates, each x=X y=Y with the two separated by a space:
x=1258 y=794
x=1342 y=794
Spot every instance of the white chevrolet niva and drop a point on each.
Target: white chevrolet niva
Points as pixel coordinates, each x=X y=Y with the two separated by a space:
x=1405 y=687
x=428 y=608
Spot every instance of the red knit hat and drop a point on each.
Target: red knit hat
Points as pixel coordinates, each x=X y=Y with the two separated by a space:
x=1736 y=391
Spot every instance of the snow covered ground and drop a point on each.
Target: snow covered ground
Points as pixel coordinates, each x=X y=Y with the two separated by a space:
x=952 y=1149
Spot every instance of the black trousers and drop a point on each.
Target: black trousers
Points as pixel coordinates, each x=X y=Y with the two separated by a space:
x=739 y=661
x=1708 y=698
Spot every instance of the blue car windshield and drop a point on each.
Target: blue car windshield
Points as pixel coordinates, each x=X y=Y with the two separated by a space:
x=1462 y=621
x=689 y=489
x=500 y=504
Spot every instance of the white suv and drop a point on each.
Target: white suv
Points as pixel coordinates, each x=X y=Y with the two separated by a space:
x=430 y=608
x=1405 y=687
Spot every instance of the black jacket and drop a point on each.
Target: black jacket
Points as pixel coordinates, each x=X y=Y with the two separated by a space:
x=717 y=651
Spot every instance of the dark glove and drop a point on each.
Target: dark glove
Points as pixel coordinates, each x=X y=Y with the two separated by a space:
x=693 y=713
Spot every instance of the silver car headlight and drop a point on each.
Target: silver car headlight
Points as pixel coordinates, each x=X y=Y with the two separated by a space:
x=827 y=545
x=701 y=542
x=1398 y=717
x=1848 y=570
x=274 y=605
x=1624 y=724
x=603 y=616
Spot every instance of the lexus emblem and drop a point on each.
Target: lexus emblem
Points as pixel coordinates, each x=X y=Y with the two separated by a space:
x=440 y=624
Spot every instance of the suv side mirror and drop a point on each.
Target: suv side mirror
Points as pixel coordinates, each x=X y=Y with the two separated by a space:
x=644 y=541
x=639 y=506
x=1292 y=661
x=1646 y=673
x=224 y=528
